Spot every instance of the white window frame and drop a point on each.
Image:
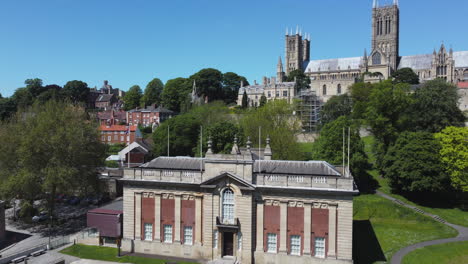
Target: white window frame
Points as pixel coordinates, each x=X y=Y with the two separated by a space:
x=319 y=247
x=148 y=231
x=215 y=238
x=295 y=245
x=188 y=235
x=167 y=233
x=109 y=138
x=228 y=206
x=272 y=243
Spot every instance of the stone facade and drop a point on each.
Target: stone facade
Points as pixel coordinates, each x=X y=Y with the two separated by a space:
x=270 y=88
x=2 y=221
x=239 y=207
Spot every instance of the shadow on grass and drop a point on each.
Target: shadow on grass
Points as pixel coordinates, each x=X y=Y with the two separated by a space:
x=12 y=238
x=446 y=200
x=366 y=246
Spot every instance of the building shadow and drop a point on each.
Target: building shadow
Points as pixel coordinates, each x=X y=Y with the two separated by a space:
x=366 y=246
x=12 y=238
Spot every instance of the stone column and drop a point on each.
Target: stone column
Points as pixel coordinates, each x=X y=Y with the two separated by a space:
x=307 y=227
x=177 y=219
x=283 y=226
x=138 y=216
x=332 y=230
x=157 y=217
x=259 y=226
x=198 y=220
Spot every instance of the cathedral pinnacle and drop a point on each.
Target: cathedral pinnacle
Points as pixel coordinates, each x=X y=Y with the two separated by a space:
x=375 y=4
x=395 y=2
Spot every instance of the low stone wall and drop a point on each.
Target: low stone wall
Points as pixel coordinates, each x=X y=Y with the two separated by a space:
x=2 y=221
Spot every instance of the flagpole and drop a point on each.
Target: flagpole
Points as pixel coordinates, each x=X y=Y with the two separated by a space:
x=259 y=147
x=349 y=139
x=168 y=140
x=344 y=151
x=201 y=149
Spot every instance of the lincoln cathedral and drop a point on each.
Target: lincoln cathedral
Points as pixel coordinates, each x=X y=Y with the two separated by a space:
x=334 y=76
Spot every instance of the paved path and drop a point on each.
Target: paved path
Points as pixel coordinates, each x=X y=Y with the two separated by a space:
x=398 y=256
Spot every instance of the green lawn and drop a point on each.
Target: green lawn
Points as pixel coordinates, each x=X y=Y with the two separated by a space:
x=450 y=253
x=382 y=227
x=451 y=214
x=109 y=254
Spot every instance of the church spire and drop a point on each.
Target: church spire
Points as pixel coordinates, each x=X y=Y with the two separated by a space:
x=365 y=54
x=279 y=71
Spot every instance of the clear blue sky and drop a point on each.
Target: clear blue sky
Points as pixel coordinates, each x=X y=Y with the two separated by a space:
x=130 y=42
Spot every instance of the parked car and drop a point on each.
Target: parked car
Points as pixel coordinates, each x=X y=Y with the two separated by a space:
x=41 y=217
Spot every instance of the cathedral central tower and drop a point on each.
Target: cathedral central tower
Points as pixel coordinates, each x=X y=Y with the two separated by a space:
x=297 y=51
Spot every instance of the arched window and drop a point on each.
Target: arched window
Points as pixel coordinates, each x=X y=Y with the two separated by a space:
x=228 y=206
x=376 y=59
x=338 y=89
x=324 y=90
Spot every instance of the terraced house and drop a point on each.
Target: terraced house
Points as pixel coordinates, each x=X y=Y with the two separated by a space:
x=241 y=206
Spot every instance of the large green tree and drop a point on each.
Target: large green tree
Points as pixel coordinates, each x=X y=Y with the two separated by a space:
x=245 y=100
x=209 y=83
x=302 y=81
x=222 y=135
x=76 y=91
x=360 y=93
x=413 y=164
x=336 y=106
x=405 y=75
x=132 y=98
x=34 y=86
x=152 y=94
x=276 y=119
x=48 y=149
x=454 y=155
x=434 y=107
x=175 y=93
x=231 y=84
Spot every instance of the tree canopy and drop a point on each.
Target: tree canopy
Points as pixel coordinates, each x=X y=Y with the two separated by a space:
x=152 y=94
x=76 y=91
x=132 y=98
x=454 y=155
x=405 y=75
x=175 y=93
x=336 y=106
x=302 y=81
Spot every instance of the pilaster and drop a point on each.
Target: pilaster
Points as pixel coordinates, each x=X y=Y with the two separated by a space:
x=332 y=231
x=198 y=220
x=177 y=219
x=138 y=216
x=260 y=214
x=283 y=226
x=157 y=217
x=307 y=227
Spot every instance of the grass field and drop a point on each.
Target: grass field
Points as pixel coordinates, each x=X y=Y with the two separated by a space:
x=450 y=253
x=110 y=254
x=381 y=228
x=448 y=212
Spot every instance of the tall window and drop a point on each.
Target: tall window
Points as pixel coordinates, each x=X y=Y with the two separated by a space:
x=167 y=233
x=376 y=59
x=319 y=247
x=239 y=240
x=338 y=89
x=295 y=245
x=285 y=93
x=148 y=231
x=215 y=239
x=324 y=90
x=228 y=206
x=188 y=235
x=271 y=243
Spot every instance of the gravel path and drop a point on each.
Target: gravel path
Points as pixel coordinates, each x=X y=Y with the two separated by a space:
x=398 y=256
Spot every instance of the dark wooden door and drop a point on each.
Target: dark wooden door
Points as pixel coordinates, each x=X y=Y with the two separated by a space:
x=228 y=245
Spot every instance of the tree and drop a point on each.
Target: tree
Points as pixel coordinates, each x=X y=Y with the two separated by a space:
x=22 y=98
x=276 y=119
x=329 y=147
x=175 y=93
x=245 y=100
x=222 y=135
x=360 y=93
x=34 y=86
x=435 y=107
x=336 y=106
x=209 y=83
x=7 y=108
x=48 y=149
x=385 y=115
x=51 y=92
x=454 y=155
x=263 y=100
x=405 y=75
x=76 y=91
x=302 y=81
x=413 y=164
x=152 y=93
x=132 y=98
x=231 y=84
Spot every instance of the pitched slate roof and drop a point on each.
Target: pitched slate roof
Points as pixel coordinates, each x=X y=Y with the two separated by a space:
x=461 y=58
x=260 y=88
x=295 y=167
x=333 y=64
x=176 y=163
x=416 y=62
x=104 y=97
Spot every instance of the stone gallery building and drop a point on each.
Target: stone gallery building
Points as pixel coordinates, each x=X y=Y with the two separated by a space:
x=240 y=206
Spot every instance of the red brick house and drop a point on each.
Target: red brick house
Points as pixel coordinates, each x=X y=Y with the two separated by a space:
x=112 y=117
x=114 y=134
x=148 y=116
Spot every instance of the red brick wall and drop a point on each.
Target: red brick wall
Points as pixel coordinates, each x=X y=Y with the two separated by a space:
x=147 y=214
x=187 y=217
x=113 y=139
x=295 y=225
x=167 y=215
x=271 y=223
x=319 y=227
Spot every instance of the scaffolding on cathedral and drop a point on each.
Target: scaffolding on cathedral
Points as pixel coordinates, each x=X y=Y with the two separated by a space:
x=309 y=110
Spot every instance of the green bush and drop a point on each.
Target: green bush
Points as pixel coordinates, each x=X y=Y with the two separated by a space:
x=27 y=210
x=112 y=164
